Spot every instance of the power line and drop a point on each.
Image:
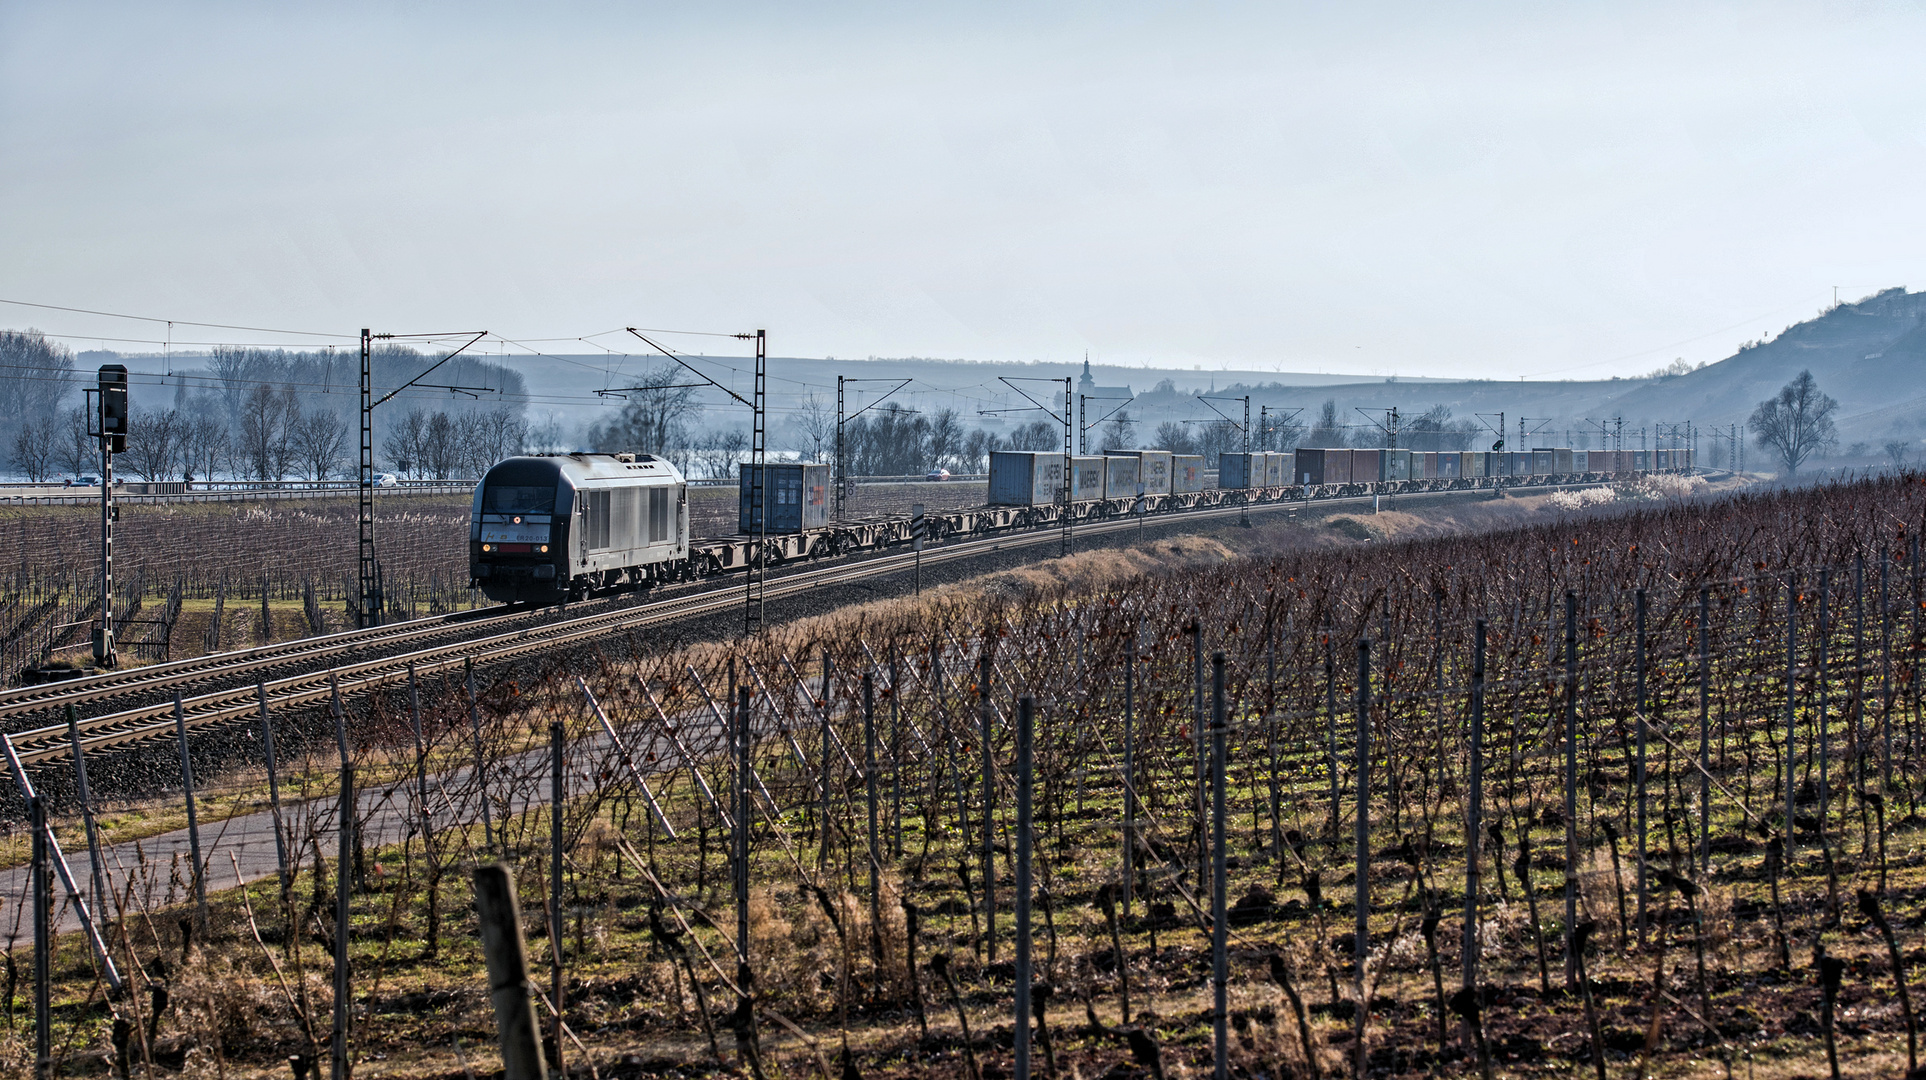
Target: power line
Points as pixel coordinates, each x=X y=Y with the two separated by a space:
x=177 y=322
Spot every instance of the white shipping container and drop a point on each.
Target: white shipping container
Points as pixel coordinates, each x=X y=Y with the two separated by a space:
x=1025 y=477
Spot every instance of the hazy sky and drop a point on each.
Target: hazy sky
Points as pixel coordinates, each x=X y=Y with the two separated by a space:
x=1427 y=189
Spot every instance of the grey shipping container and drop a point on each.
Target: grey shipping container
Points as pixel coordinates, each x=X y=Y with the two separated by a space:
x=1120 y=476
x=1086 y=479
x=1153 y=469
x=1277 y=469
x=1562 y=461
x=1395 y=466
x=797 y=496
x=1186 y=473
x=1234 y=471
x=1580 y=459
x=1367 y=466
x=1025 y=477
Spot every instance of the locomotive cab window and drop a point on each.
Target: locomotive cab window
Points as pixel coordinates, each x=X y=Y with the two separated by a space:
x=517 y=499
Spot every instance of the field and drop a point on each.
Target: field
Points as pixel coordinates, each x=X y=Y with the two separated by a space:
x=1608 y=780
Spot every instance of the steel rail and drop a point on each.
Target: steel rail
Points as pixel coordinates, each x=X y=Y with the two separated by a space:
x=136 y=724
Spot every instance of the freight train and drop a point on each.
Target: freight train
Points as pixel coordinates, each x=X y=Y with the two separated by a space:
x=555 y=527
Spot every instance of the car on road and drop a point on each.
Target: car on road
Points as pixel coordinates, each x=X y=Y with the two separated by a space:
x=386 y=479
x=938 y=474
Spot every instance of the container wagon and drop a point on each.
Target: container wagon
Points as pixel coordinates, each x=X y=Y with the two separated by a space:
x=796 y=496
x=1025 y=477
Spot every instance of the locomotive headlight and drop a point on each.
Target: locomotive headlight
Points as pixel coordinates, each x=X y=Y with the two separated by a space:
x=518 y=521
x=544 y=549
x=486 y=548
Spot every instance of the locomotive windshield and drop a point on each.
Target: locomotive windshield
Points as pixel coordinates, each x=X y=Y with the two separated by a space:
x=517 y=499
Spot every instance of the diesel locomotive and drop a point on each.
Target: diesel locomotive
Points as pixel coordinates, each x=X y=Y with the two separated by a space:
x=556 y=527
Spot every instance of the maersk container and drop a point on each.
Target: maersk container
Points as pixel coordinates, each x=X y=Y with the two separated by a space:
x=1086 y=479
x=1394 y=466
x=1471 y=463
x=1121 y=476
x=1234 y=471
x=1641 y=460
x=1025 y=477
x=797 y=497
x=1186 y=473
x=1367 y=466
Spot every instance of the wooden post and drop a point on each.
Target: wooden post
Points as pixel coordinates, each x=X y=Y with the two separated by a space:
x=984 y=709
x=1571 y=787
x=1475 y=808
x=1219 y=926
x=1026 y=719
x=556 y=795
x=509 y=990
x=274 y=782
x=343 y=884
x=481 y=762
x=193 y=825
x=1639 y=780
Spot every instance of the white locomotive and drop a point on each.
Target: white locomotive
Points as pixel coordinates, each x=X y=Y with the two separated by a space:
x=553 y=527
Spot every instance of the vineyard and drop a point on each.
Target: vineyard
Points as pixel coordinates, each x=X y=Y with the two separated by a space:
x=1627 y=792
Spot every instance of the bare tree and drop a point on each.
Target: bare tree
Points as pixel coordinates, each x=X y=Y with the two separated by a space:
x=1286 y=433
x=1797 y=424
x=977 y=446
x=205 y=448
x=1327 y=431
x=35 y=374
x=440 y=447
x=717 y=452
x=1219 y=437
x=812 y=424
x=268 y=418
x=75 y=451
x=33 y=448
x=320 y=442
x=155 y=445
x=403 y=447
x=655 y=419
x=1897 y=449
x=1176 y=437
x=1119 y=432
x=943 y=443
x=1037 y=435
x=491 y=436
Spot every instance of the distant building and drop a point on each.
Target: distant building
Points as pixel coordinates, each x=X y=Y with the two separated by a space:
x=1088 y=387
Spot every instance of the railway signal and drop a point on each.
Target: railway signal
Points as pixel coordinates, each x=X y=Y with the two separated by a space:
x=110 y=417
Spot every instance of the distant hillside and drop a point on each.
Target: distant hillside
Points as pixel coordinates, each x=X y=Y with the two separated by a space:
x=1870 y=356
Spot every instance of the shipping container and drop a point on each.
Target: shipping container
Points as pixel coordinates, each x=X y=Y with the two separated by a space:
x=1277 y=469
x=1471 y=463
x=1152 y=469
x=1367 y=466
x=1234 y=471
x=1086 y=479
x=1580 y=459
x=1308 y=467
x=1338 y=467
x=797 y=496
x=1641 y=460
x=1394 y=466
x=1562 y=461
x=1186 y=473
x=1121 y=476
x=1448 y=465
x=1025 y=477
x=1541 y=462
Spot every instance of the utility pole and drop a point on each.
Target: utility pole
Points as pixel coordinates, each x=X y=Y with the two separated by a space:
x=754 y=588
x=368 y=611
x=1069 y=508
x=110 y=424
x=845 y=486
x=842 y=464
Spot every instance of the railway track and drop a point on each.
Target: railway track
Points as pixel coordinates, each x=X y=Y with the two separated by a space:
x=331 y=661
